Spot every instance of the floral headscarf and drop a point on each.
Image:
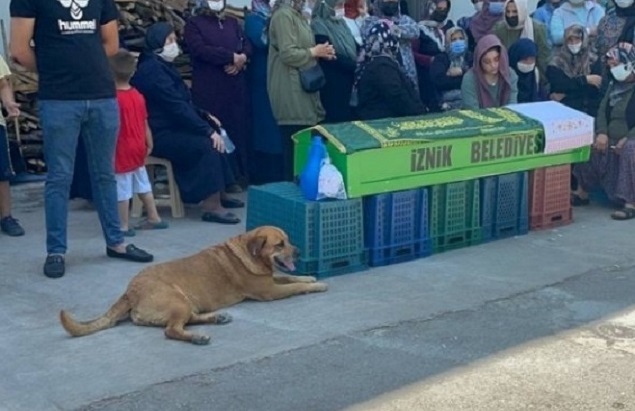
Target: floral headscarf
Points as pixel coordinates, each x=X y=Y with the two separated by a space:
x=457 y=60
x=575 y=65
x=625 y=54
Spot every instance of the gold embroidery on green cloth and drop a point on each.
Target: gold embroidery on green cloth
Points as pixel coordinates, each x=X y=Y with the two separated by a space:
x=508 y=115
x=330 y=137
x=373 y=132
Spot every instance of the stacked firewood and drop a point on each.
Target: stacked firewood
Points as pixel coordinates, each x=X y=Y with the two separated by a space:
x=135 y=16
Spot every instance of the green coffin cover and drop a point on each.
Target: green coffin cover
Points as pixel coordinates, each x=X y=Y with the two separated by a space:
x=365 y=135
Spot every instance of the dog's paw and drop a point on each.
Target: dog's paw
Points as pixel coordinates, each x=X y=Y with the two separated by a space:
x=223 y=318
x=199 y=339
x=319 y=287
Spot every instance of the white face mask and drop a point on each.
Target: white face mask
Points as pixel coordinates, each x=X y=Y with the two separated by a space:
x=339 y=13
x=623 y=4
x=216 y=5
x=621 y=72
x=478 y=6
x=574 y=48
x=525 y=68
x=170 y=52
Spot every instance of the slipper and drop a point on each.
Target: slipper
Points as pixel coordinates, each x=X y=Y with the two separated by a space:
x=227 y=218
x=232 y=203
x=628 y=213
x=147 y=225
x=234 y=188
x=132 y=253
x=129 y=232
x=577 y=201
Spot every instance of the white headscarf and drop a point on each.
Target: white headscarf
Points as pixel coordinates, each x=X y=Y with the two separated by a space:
x=525 y=21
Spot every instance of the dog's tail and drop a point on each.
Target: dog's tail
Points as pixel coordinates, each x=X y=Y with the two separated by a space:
x=116 y=313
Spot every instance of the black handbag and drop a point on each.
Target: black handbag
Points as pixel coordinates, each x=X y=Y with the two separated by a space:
x=312 y=79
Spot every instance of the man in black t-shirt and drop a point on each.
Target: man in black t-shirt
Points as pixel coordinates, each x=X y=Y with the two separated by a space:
x=68 y=42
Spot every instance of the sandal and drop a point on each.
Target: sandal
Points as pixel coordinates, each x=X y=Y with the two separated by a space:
x=226 y=218
x=627 y=213
x=148 y=225
x=577 y=201
x=132 y=253
x=232 y=203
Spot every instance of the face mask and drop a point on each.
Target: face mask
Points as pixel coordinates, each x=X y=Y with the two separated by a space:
x=339 y=13
x=439 y=16
x=577 y=2
x=390 y=8
x=458 y=47
x=170 y=52
x=496 y=9
x=574 y=48
x=621 y=72
x=512 y=21
x=526 y=68
x=215 y=5
x=623 y=4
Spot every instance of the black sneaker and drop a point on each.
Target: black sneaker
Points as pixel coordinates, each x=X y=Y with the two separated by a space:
x=10 y=226
x=54 y=266
x=132 y=253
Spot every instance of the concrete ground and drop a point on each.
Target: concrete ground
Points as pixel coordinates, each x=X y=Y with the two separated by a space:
x=543 y=321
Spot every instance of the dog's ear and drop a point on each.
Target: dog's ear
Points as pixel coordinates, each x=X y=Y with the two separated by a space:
x=256 y=244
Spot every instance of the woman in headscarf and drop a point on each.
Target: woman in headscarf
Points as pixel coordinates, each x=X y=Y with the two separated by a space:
x=382 y=89
x=219 y=53
x=292 y=49
x=355 y=11
x=182 y=133
x=488 y=13
x=431 y=42
x=612 y=163
x=266 y=141
x=586 y=13
x=518 y=24
x=328 y=26
x=447 y=69
x=522 y=59
x=617 y=25
x=574 y=72
x=403 y=28
x=490 y=82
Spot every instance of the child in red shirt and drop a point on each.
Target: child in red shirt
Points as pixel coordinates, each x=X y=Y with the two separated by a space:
x=134 y=144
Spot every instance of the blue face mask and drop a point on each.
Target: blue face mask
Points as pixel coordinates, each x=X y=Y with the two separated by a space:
x=457 y=47
x=496 y=9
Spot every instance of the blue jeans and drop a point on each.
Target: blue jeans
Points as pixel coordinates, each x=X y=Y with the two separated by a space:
x=97 y=123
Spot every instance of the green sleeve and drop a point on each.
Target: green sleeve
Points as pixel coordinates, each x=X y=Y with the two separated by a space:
x=601 y=122
x=286 y=41
x=469 y=92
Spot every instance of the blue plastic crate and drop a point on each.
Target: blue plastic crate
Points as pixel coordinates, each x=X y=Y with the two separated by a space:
x=505 y=206
x=396 y=226
x=321 y=230
x=331 y=267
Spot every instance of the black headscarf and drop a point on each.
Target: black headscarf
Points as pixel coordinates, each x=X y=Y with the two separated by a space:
x=156 y=35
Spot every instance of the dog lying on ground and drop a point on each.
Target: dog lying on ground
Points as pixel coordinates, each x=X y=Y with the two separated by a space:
x=190 y=290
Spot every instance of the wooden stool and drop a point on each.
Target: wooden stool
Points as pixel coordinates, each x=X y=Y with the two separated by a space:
x=174 y=199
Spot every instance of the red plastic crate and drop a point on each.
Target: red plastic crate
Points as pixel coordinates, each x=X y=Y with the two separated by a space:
x=550 y=197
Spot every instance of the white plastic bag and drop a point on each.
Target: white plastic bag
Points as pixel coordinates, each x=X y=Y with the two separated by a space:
x=330 y=182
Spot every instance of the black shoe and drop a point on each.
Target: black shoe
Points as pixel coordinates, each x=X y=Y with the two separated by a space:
x=54 y=266
x=10 y=226
x=132 y=253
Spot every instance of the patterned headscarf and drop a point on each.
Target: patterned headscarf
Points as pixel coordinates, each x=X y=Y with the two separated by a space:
x=574 y=65
x=378 y=42
x=261 y=8
x=625 y=54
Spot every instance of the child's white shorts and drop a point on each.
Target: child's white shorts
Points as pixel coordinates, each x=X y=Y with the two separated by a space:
x=133 y=182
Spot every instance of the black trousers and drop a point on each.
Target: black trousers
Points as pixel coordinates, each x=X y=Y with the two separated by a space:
x=287 y=149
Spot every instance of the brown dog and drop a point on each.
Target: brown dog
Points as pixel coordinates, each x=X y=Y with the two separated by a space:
x=191 y=289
